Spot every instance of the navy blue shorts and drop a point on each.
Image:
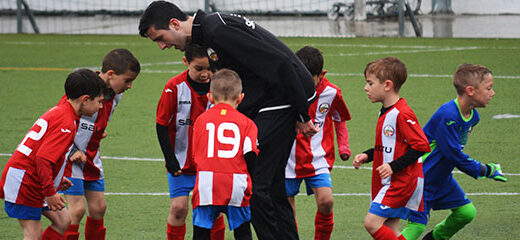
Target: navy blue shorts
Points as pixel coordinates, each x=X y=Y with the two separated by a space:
x=453 y=199
x=292 y=185
x=204 y=216
x=388 y=212
x=181 y=185
x=24 y=212
x=79 y=186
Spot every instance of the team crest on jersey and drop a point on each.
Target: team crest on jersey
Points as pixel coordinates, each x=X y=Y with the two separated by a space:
x=388 y=130
x=212 y=55
x=324 y=107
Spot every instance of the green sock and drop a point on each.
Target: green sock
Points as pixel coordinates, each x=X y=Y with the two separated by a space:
x=413 y=230
x=458 y=218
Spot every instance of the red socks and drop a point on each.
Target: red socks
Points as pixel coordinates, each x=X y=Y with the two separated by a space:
x=323 y=223
x=72 y=232
x=384 y=233
x=218 y=232
x=94 y=229
x=51 y=234
x=176 y=232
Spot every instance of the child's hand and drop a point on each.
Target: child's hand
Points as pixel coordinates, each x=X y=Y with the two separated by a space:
x=78 y=157
x=495 y=172
x=65 y=184
x=359 y=159
x=344 y=156
x=385 y=170
x=104 y=135
x=55 y=202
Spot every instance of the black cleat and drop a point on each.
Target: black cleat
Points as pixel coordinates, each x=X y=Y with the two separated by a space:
x=428 y=236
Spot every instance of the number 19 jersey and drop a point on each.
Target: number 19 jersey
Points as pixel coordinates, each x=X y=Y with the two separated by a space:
x=221 y=138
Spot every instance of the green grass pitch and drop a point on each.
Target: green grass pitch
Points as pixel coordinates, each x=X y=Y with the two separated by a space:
x=33 y=69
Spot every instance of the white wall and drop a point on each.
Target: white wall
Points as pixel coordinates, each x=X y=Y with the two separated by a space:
x=458 y=6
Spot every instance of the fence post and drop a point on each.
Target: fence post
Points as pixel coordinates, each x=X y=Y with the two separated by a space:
x=441 y=6
x=401 y=18
x=19 y=20
x=360 y=11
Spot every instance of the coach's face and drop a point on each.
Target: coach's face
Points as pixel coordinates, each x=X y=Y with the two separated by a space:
x=166 y=38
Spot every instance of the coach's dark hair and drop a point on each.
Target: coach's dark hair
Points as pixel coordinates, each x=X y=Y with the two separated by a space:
x=84 y=82
x=159 y=14
x=120 y=60
x=312 y=59
x=194 y=51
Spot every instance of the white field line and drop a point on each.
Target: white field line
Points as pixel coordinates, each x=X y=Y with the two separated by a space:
x=294 y=45
x=162 y=160
x=449 y=49
x=304 y=194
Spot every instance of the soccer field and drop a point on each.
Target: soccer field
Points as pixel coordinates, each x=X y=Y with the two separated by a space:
x=33 y=69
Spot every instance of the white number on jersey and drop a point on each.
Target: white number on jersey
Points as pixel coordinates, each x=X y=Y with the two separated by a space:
x=235 y=140
x=34 y=136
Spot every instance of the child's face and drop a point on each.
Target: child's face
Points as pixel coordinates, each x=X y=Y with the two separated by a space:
x=199 y=69
x=484 y=92
x=375 y=90
x=122 y=82
x=91 y=106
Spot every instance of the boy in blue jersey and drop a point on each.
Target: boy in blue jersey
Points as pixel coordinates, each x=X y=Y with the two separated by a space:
x=448 y=131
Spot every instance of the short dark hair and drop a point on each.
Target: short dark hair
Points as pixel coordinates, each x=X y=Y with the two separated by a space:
x=194 y=51
x=226 y=85
x=312 y=59
x=84 y=82
x=158 y=14
x=388 y=68
x=469 y=75
x=120 y=60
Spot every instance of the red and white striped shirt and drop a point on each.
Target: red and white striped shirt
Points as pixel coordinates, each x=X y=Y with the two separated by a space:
x=48 y=140
x=88 y=139
x=222 y=137
x=315 y=155
x=178 y=108
x=397 y=131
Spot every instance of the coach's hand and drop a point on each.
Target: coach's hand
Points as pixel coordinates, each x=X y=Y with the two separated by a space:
x=307 y=129
x=55 y=202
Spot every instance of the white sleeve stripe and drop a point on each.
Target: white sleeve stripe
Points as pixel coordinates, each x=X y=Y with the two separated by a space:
x=248 y=146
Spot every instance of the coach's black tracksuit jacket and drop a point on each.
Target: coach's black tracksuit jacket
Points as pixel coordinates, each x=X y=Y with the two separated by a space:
x=272 y=75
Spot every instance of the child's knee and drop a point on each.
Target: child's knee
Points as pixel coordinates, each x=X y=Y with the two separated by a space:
x=325 y=205
x=465 y=214
x=179 y=210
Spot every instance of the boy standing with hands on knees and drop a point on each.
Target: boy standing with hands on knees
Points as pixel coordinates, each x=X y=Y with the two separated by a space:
x=35 y=171
x=397 y=177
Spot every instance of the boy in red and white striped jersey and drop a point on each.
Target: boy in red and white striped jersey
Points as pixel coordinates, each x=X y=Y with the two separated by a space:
x=225 y=149
x=119 y=69
x=35 y=171
x=182 y=101
x=311 y=159
x=397 y=176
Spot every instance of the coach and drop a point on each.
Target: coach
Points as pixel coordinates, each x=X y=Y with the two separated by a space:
x=278 y=90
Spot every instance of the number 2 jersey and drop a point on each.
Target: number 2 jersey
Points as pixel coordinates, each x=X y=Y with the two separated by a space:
x=315 y=155
x=36 y=168
x=397 y=131
x=221 y=138
x=88 y=138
